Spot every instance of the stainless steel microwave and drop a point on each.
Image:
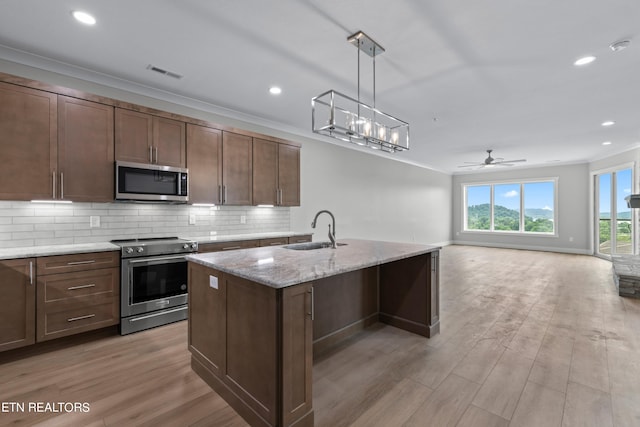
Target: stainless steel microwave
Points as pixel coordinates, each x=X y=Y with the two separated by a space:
x=139 y=181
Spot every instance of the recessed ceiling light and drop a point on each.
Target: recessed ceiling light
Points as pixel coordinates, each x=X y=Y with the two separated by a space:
x=275 y=90
x=608 y=123
x=584 y=60
x=84 y=17
x=606 y=143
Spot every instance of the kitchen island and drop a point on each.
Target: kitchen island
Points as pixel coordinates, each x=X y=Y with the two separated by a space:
x=258 y=316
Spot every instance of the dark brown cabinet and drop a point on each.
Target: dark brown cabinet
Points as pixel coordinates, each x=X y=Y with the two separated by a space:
x=297 y=353
x=77 y=293
x=85 y=151
x=144 y=138
x=28 y=143
x=301 y=239
x=276 y=173
x=204 y=160
x=289 y=174
x=237 y=167
x=57 y=147
x=17 y=303
x=227 y=246
x=253 y=345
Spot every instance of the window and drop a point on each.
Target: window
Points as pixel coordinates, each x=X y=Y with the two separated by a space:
x=513 y=207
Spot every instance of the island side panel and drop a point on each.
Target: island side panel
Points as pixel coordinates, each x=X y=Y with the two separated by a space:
x=252 y=345
x=207 y=317
x=297 y=356
x=234 y=342
x=409 y=294
x=343 y=305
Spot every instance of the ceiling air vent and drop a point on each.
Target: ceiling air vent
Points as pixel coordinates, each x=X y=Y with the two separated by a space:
x=164 y=72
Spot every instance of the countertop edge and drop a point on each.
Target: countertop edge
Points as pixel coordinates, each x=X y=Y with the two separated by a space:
x=79 y=248
x=198 y=259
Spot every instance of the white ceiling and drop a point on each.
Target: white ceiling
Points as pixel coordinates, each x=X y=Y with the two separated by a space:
x=467 y=75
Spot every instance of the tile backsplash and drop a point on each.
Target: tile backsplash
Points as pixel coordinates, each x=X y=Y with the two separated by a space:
x=34 y=224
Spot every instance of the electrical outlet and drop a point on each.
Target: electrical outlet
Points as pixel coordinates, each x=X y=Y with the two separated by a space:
x=243 y=219
x=192 y=219
x=94 y=221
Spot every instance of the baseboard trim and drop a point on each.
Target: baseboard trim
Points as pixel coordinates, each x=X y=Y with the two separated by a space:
x=525 y=247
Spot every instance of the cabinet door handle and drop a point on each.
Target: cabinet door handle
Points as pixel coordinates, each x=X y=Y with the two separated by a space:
x=155 y=149
x=280 y=196
x=53 y=189
x=31 y=273
x=224 y=199
x=276 y=243
x=62 y=185
x=229 y=248
x=312 y=313
x=220 y=194
x=74 y=319
x=73 y=288
x=150 y=154
x=81 y=262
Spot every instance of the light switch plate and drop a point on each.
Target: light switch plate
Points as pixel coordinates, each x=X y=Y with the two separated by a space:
x=192 y=219
x=94 y=221
x=243 y=219
x=213 y=282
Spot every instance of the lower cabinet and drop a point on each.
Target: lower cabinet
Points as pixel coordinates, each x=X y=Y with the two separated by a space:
x=17 y=303
x=81 y=295
x=253 y=344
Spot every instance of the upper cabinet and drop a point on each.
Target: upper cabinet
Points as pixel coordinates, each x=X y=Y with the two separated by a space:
x=85 y=150
x=28 y=143
x=60 y=148
x=144 y=138
x=204 y=160
x=276 y=173
x=289 y=174
x=237 y=166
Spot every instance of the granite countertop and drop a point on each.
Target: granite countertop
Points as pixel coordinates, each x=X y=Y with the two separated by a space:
x=79 y=248
x=278 y=267
x=36 y=251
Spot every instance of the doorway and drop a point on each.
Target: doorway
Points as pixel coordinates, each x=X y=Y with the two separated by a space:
x=614 y=226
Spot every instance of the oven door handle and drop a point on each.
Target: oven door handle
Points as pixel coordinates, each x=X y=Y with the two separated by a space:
x=153 y=259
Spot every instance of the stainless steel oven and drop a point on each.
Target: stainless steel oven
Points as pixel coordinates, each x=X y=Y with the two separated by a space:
x=153 y=283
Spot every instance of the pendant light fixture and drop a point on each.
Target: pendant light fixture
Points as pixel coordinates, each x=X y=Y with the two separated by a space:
x=350 y=120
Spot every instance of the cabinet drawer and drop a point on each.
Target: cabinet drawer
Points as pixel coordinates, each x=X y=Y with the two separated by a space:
x=274 y=242
x=58 y=287
x=59 y=320
x=300 y=239
x=77 y=262
x=227 y=246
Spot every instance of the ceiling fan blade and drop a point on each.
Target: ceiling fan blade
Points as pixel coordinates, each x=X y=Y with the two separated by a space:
x=471 y=165
x=510 y=161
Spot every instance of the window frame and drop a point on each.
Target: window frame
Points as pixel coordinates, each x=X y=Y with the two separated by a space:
x=521 y=184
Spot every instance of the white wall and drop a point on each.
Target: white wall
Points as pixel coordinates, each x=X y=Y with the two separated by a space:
x=372 y=197
x=574 y=232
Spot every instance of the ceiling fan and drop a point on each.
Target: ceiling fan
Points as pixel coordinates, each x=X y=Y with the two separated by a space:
x=490 y=162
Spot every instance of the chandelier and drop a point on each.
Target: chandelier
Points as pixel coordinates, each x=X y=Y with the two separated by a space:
x=347 y=119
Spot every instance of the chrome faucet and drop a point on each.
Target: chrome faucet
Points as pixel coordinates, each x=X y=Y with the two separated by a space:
x=332 y=235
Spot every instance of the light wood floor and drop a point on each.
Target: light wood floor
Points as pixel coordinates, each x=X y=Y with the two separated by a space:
x=527 y=339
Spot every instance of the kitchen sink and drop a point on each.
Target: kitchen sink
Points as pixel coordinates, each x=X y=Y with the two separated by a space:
x=310 y=246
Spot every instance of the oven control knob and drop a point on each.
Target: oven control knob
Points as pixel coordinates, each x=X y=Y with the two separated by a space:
x=194 y=246
x=140 y=249
x=129 y=250
x=185 y=246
